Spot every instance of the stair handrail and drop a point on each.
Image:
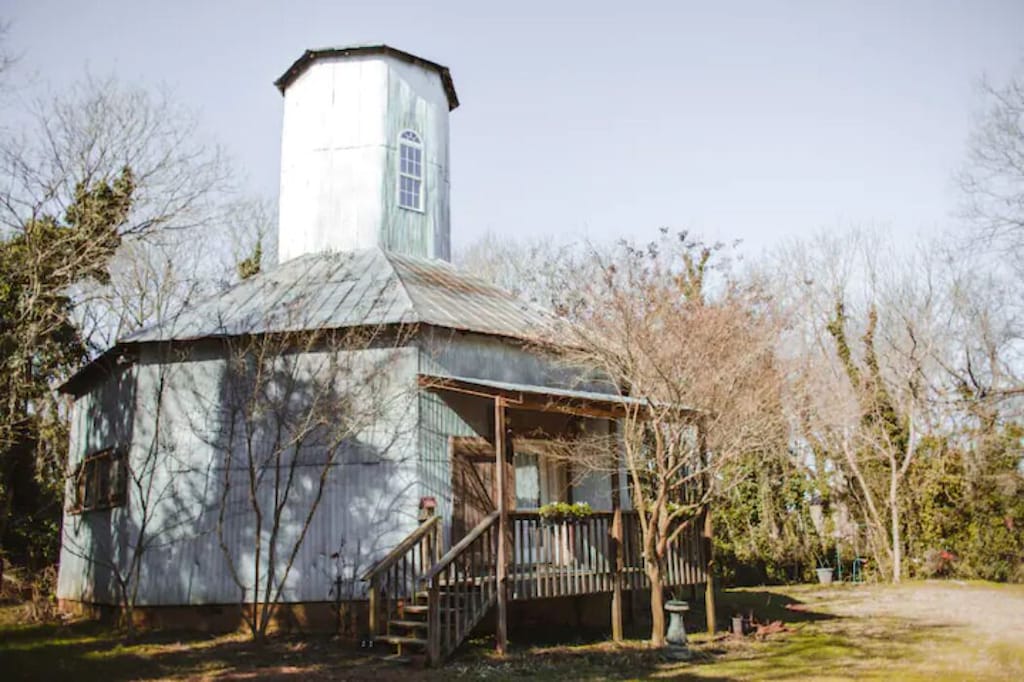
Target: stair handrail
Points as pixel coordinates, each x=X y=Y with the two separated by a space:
x=427 y=537
x=400 y=549
x=460 y=546
x=465 y=590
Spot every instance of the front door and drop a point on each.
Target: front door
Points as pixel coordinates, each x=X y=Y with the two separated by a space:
x=474 y=484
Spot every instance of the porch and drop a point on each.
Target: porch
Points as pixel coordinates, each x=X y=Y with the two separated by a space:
x=428 y=594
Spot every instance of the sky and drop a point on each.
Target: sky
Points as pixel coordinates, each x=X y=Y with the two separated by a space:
x=759 y=121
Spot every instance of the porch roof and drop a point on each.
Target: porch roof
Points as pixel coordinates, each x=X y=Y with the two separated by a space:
x=544 y=398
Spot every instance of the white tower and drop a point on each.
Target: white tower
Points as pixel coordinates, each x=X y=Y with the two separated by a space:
x=364 y=153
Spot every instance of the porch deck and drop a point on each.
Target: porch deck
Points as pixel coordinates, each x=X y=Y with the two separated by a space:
x=433 y=601
x=417 y=591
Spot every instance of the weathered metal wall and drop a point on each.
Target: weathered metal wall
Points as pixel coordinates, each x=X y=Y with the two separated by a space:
x=416 y=101
x=174 y=409
x=96 y=424
x=339 y=166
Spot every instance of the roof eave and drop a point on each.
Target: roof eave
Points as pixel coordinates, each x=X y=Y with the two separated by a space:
x=309 y=56
x=82 y=380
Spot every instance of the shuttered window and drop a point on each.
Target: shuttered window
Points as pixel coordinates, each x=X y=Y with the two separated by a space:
x=101 y=480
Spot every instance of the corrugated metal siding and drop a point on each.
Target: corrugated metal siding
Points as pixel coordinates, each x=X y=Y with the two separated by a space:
x=102 y=418
x=477 y=356
x=415 y=102
x=343 y=113
x=369 y=502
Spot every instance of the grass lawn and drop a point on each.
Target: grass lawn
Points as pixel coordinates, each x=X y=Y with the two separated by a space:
x=926 y=631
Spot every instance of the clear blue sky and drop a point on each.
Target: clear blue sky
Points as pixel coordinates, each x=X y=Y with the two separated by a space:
x=753 y=120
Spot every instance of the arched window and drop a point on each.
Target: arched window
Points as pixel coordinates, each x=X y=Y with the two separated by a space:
x=410 y=171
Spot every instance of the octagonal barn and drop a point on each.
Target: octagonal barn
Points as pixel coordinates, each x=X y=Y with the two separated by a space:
x=348 y=434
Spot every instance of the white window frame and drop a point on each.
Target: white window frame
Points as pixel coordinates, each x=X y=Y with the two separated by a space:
x=417 y=144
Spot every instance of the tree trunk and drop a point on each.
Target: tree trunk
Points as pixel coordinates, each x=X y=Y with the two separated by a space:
x=657 y=604
x=129 y=618
x=894 y=513
x=709 y=568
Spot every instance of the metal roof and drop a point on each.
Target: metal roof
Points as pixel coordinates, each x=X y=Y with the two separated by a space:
x=309 y=56
x=355 y=288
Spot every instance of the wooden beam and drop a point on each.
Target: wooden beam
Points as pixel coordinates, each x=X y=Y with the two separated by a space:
x=374 y=607
x=616 y=540
x=708 y=539
x=540 y=401
x=501 y=627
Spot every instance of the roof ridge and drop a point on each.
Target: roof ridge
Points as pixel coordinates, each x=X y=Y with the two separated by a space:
x=402 y=286
x=422 y=308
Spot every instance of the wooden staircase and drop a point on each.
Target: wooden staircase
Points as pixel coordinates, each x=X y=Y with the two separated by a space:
x=428 y=611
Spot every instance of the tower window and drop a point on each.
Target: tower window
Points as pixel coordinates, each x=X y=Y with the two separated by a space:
x=410 y=171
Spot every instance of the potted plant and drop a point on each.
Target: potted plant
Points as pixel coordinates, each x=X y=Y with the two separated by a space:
x=824 y=572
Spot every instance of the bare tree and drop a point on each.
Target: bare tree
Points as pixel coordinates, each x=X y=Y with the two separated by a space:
x=87 y=135
x=989 y=265
x=872 y=339
x=531 y=269
x=700 y=355
x=294 y=405
x=157 y=276
x=993 y=176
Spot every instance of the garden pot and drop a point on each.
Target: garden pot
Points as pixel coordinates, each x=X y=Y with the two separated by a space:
x=824 y=575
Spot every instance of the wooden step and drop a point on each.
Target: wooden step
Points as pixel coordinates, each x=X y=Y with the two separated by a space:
x=401 y=641
x=422 y=596
x=417 y=608
x=409 y=623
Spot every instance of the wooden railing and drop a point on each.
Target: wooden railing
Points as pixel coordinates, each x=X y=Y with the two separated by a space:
x=461 y=588
x=396 y=577
x=561 y=558
x=547 y=558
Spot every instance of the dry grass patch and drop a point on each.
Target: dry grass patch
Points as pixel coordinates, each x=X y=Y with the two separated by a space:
x=916 y=631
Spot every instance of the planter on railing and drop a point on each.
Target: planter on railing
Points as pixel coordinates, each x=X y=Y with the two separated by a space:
x=562 y=512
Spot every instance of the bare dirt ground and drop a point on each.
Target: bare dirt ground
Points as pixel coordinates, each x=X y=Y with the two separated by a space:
x=916 y=630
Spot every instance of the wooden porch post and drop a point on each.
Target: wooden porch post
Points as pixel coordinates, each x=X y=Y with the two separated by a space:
x=501 y=628
x=616 y=540
x=709 y=585
x=374 y=607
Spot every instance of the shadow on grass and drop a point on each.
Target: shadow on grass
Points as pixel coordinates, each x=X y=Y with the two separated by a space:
x=89 y=651
x=577 y=654
x=816 y=644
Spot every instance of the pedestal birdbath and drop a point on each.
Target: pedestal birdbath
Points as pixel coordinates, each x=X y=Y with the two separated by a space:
x=677 y=648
